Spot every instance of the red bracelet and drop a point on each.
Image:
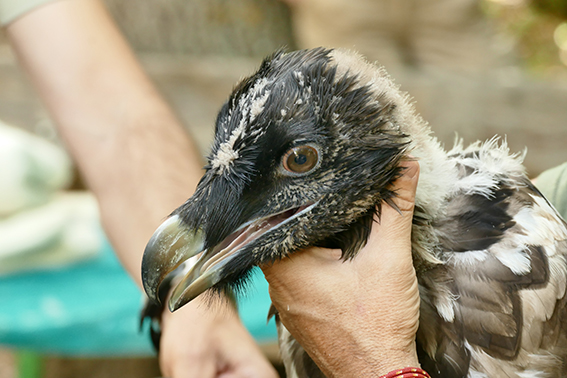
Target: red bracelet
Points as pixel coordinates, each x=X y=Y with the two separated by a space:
x=408 y=372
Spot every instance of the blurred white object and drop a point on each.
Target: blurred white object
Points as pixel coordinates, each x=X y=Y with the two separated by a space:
x=63 y=231
x=31 y=170
x=42 y=226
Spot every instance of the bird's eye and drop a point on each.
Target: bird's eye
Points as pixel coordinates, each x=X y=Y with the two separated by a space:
x=301 y=159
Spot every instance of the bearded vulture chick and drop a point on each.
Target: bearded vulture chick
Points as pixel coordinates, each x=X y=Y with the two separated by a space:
x=304 y=155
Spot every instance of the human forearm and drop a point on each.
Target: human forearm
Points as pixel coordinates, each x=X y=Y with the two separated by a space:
x=136 y=158
x=129 y=146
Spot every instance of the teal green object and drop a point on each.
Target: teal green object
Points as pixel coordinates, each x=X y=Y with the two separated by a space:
x=92 y=309
x=253 y=308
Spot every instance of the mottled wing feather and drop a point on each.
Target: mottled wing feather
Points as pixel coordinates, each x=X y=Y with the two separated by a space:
x=475 y=222
x=501 y=250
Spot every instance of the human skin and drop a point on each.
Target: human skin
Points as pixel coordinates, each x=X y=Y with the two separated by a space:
x=137 y=160
x=364 y=316
x=140 y=164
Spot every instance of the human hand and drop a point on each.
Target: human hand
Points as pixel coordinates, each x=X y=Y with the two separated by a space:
x=200 y=341
x=359 y=317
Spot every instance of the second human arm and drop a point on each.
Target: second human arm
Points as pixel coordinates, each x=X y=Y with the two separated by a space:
x=134 y=155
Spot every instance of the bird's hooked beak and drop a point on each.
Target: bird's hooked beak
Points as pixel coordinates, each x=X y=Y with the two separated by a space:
x=174 y=243
x=171 y=245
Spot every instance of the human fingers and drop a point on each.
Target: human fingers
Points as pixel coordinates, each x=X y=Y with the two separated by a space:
x=202 y=340
x=406 y=185
x=186 y=352
x=389 y=243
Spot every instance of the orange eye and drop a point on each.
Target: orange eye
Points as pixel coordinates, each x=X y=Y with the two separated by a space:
x=300 y=159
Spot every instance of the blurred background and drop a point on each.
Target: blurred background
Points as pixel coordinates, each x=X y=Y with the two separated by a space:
x=475 y=68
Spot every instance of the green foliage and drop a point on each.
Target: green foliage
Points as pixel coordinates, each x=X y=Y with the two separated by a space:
x=557 y=8
x=533 y=24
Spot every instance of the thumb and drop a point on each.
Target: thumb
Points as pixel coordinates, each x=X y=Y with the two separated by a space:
x=392 y=228
x=406 y=185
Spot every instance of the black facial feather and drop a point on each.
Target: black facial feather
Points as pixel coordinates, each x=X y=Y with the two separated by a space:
x=302 y=101
x=351 y=240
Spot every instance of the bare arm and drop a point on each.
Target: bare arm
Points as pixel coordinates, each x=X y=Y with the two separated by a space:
x=141 y=165
x=129 y=146
x=136 y=158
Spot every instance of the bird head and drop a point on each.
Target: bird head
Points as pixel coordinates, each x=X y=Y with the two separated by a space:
x=304 y=153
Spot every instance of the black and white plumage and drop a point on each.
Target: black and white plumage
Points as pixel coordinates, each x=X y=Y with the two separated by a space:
x=306 y=148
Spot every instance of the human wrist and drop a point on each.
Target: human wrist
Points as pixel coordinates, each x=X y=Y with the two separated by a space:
x=408 y=372
x=376 y=365
x=397 y=356
x=344 y=352
x=380 y=362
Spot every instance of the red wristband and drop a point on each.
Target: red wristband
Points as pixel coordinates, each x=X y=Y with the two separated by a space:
x=408 y=372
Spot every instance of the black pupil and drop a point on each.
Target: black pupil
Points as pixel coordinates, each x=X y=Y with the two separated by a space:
x=300 y=159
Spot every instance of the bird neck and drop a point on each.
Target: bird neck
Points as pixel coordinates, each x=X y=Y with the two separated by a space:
x=437 y=178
